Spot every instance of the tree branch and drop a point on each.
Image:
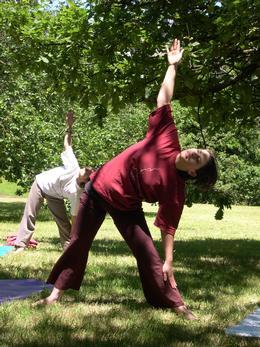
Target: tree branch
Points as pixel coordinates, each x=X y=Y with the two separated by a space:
x=248 y=70
x=199 y=119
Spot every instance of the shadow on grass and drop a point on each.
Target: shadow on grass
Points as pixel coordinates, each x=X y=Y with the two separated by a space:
x=26 y=272
x=13 y=212
x=103 y=330
x=150 y=214
x=216 y=261
x=50 y=240
x=201 y=265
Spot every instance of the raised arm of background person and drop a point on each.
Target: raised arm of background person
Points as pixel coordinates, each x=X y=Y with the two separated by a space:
x=174 y=55
x=168 y=243
x=68 y=135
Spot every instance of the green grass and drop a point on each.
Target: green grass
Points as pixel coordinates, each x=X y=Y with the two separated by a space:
x=216 y=268
x=8 y=188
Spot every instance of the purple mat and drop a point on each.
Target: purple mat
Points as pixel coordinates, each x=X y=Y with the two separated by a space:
x=20 y=289
x=249 y=327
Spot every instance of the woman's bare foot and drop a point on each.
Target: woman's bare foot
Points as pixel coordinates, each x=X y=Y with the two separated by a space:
x=45 y=301
x=51 y=299
x=18 y=249
x=185 y=312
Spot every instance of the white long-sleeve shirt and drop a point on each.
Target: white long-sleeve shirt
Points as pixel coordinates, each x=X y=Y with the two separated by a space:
x=60 y=182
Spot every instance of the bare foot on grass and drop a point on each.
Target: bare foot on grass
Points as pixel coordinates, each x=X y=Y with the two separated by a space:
x=18 y=250
x=44 y=302
x=185 y=312
x=51 y=299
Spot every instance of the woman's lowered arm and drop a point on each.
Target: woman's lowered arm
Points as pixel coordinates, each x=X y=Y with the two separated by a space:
x=168 y=245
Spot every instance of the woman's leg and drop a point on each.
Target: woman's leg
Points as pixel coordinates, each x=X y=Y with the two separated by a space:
x=58 y=210
x=27 y=225
x=69 y=270
x=133 y=228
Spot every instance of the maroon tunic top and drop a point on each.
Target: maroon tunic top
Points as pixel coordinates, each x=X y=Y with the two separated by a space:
x=146 y=171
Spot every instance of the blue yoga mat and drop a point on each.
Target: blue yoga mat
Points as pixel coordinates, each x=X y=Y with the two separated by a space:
x=248 y=327
x=5 y=249
x=20 y=289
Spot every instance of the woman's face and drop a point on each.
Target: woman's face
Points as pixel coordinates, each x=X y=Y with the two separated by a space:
x=194 y=158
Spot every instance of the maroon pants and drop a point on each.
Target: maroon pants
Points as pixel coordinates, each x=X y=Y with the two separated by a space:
x=69 y=270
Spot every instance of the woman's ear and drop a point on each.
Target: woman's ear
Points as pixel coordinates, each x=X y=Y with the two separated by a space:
x=192 y=173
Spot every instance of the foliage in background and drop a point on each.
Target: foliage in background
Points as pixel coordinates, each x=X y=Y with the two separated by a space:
x=108 y=52
x=98 y=57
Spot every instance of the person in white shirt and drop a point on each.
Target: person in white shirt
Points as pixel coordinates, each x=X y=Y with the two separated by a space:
x=55 y=185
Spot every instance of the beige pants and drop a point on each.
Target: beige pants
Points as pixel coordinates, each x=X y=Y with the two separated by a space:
x=33 y=204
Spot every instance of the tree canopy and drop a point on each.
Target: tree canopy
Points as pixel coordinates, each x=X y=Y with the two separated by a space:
x=101 y=56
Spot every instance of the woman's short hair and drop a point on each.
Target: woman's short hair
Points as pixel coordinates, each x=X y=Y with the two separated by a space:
x=206 y=176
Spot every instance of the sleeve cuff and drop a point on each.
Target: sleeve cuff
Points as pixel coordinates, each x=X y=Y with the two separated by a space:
x=165 y=229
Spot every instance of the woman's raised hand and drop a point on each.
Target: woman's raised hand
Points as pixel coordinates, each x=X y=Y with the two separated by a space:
x=175 y=52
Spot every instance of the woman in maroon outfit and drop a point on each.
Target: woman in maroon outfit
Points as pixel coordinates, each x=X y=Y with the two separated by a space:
x=153 y=169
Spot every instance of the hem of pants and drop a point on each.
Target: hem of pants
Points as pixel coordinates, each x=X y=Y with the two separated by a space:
x=20 y=244
x=62 y=287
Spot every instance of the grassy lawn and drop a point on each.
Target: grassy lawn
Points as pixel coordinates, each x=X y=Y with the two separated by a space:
x=216 y=268
x=8 y=188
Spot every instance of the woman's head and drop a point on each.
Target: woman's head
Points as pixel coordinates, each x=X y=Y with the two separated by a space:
x=198 y=165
